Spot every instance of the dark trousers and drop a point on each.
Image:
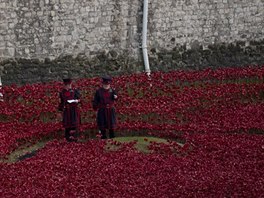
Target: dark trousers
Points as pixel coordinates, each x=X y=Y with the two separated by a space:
x=71 y=136
x=111 y=133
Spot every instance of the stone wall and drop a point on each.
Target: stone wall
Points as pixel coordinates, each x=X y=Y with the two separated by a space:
x=43 y=40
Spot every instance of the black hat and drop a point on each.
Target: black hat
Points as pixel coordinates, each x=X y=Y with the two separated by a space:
x=67 y=81
x=106 y=79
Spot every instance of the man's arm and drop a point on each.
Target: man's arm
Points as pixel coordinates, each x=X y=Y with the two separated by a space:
x=77 y=95
x=61 y=104
x=96 y=100
x=60 y=107
x=115 y=94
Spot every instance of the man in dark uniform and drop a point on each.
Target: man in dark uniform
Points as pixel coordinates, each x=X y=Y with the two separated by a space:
x=69 y=100
x=103 y=103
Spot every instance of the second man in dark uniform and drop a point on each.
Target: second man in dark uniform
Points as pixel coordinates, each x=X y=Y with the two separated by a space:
x=103 y=103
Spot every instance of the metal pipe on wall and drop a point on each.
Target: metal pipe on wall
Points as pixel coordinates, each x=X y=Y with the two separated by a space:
x=1 y=91
x=144 y=37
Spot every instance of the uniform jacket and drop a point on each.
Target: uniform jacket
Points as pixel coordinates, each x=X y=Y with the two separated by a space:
x=103 y=103
x=71 y=112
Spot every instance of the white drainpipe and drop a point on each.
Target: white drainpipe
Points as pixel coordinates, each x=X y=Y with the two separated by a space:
x=1 y=94
x=144 y=37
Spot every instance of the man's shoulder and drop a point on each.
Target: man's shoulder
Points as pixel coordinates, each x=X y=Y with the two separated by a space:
x=62 y=90
x=99 y=89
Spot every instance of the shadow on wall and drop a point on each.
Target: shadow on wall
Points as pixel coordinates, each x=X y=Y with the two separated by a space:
x=21 y=71
x=222 y=55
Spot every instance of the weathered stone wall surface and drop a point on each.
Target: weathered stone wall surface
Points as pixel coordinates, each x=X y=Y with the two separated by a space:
x=43 y=40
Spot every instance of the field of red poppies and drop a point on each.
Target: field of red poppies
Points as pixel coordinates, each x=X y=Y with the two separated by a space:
x=217 y=114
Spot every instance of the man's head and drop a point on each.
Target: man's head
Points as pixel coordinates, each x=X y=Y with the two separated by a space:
x=106 y=81
x=67 y=82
